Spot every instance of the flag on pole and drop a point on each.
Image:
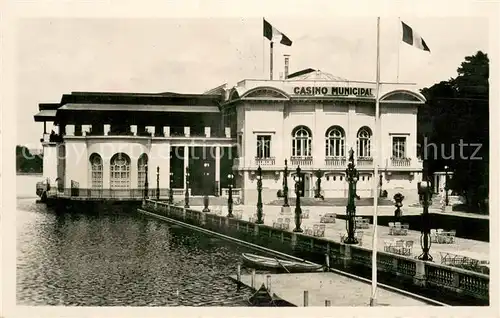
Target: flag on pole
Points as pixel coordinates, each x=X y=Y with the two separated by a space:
x=413 y=38
x=273 y=35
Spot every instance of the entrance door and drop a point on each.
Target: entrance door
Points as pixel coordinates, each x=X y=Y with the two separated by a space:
x=202 y=171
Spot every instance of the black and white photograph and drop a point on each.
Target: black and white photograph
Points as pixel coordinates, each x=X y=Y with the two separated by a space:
x=266 y=159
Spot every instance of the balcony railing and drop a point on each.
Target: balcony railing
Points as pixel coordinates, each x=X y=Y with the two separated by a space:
x=364 y=161
x=301 y=161
x=269 y=161
x=335 y=161
x=400 y=162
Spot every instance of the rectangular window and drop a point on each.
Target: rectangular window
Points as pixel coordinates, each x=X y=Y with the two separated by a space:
x=399 y=147
x=263 y=146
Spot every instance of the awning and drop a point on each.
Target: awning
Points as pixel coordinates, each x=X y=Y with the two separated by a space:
x=46 y=115
x=141 y=108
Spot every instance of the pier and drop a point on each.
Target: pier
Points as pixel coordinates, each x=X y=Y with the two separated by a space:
x=330 y=289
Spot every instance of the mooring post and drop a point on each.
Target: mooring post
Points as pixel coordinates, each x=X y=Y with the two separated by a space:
x=327 y=303
x=238 y=276
x=268 y=281
x=253 y=278
x=306 y=298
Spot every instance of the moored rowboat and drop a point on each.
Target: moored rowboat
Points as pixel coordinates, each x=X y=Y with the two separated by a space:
x=257 y=261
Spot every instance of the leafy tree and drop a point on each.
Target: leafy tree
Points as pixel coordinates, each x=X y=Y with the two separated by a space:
x=27 y=162
x=457 y=113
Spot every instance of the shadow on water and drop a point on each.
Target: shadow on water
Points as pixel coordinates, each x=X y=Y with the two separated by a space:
x=114 y=258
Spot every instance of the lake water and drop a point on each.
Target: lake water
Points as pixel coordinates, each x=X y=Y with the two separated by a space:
x=119 y=259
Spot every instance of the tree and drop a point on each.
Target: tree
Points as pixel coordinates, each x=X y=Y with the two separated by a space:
x=456 y=120
x=27 y=162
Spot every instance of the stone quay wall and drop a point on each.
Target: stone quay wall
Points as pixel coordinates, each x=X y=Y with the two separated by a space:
x=451 y=285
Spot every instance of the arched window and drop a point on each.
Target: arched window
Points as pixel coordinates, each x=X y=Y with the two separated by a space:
x=96 y=171
x=120 y=171
x=335 y=142
x=141 y=170
x=301 y=142
x=363 y=142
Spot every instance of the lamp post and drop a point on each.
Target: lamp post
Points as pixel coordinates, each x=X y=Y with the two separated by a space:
x=206 y=174
x=381 y=192
x=425 y=242
x=146 y=181
x=446 y=201
x=230 y=178
x=298 y=210
x=285 y=186
x=319 y=173
x=352 y=175
x=186 y=193
x=171 y=191
x=157 y=183
x=259 y=196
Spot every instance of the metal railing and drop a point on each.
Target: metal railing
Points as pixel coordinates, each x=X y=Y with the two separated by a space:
x=86 y=193
x=335 y=162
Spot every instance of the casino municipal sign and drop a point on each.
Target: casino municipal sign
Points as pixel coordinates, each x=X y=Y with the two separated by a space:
x=333 y=91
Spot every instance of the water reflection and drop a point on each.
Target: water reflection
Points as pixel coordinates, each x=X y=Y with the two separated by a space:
x=118 y=259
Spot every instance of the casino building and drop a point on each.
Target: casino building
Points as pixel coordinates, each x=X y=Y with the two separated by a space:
x=103 y=144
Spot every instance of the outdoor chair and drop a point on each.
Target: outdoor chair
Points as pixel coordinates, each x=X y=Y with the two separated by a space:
x=434 y=236
x=238 y=214
x=408 y=247
x=391 y=228
x=309 y=231
x=387 y=245
x=398 y=249
x=305 y=214
x=315 y=230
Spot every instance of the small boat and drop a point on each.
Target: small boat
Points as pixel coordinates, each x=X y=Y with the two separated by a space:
x=262 y=298
x=262 y=262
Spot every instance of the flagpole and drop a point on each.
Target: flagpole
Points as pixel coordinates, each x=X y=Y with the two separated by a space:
x=263 y=57
x=271 y=61
x=376 y=156
x=399 y=45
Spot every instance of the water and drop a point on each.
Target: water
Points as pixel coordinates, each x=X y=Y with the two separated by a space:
x=119 y=259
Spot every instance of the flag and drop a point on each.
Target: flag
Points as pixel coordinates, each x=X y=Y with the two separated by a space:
x=273 y=35
x=413 y=38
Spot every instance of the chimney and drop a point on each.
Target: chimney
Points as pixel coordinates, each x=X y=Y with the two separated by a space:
x=287 y=59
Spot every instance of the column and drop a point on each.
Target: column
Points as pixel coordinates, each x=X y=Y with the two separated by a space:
x=186 y=163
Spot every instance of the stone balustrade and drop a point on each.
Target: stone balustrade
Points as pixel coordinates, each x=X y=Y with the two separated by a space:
x=427 y=277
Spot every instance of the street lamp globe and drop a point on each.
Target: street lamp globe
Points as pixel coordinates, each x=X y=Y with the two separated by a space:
x=424 y=185
x=258 y=177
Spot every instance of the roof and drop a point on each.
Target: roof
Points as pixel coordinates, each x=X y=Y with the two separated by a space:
x=311 y=74
x=46 y=115
x=141 y=108
x=166 y=98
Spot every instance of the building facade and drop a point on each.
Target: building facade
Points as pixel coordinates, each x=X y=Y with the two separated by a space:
x=311 y=119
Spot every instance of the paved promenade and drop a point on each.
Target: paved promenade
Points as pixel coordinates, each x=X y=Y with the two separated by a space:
x=465 y=247
x=338 y=289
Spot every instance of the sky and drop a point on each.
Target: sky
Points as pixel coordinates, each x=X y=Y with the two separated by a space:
x=191 y=55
